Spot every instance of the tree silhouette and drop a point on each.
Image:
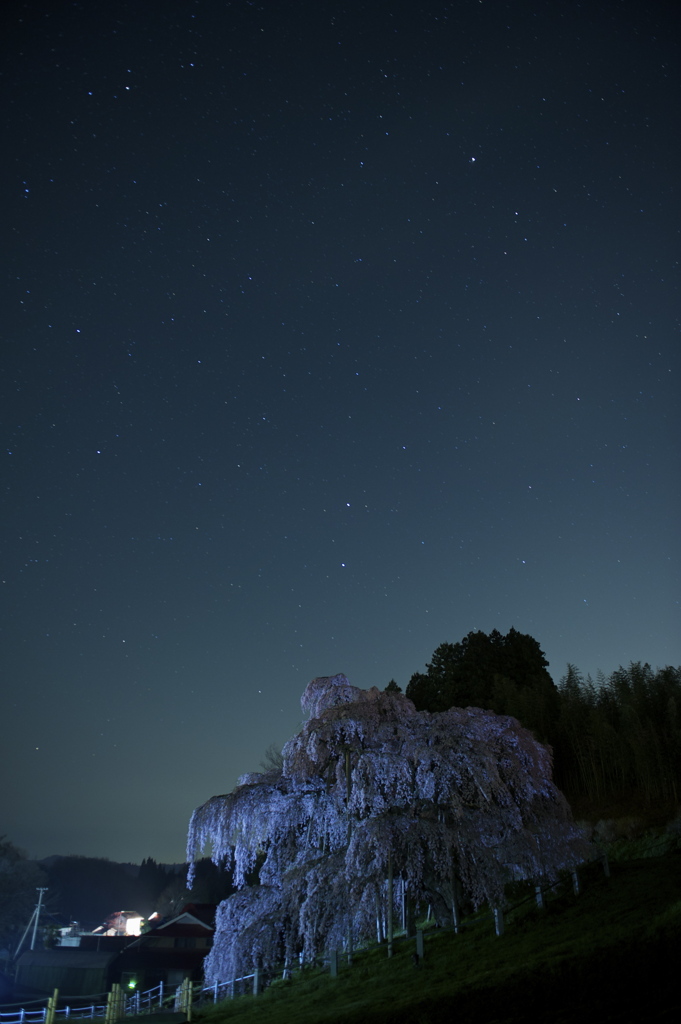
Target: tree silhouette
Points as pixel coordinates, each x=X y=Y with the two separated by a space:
x=507 y=674
x=456 y=803
x=620 y=739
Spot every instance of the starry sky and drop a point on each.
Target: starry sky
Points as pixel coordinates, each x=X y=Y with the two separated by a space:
x=331 y=331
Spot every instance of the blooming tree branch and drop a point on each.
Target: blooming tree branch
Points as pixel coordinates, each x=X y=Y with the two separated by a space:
x=458 y=802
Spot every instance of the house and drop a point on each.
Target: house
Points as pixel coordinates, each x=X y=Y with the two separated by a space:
x=123 y=922
x=170 y=952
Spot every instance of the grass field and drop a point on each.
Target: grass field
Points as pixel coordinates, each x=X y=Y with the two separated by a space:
x=613 y=953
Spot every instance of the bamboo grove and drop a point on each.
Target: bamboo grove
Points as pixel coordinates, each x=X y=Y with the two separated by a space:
x=619 y=738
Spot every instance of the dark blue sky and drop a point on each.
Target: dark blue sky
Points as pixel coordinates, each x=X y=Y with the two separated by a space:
x=330 y=333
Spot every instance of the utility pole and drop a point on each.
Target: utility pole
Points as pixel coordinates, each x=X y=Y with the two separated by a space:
x=35 y=917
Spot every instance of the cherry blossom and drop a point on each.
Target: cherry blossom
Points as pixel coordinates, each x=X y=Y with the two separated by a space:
x=453 y=804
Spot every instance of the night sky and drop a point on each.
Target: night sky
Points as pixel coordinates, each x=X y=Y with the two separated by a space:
x=330 y=332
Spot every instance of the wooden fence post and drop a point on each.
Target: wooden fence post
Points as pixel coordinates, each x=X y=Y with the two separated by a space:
x=498 y=920
x=184 y=997
x=419 y=944
x=114 y=1004
x=256 y=981
x=51 y=1007
x=539 y=896
x=333 y=963
x=606 y=865
x=575 y=882
x=119 y=1005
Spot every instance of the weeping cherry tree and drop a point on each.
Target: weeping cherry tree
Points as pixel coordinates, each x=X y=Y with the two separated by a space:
x=454 y=804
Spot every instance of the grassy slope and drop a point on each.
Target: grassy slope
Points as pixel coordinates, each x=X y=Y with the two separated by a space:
x=611 y=954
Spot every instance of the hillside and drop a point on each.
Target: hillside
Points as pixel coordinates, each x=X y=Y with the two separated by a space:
x=609 y=954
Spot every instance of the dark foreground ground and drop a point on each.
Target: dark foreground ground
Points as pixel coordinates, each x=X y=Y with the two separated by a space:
x=611 y=954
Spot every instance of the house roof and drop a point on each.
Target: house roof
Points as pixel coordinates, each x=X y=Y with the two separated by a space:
x=186 y=925
x=202 y=914
x=204 y=911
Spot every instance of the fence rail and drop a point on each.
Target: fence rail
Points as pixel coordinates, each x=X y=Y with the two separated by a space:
x=24 y=1016
x=81 y=1012
x=117 y=1006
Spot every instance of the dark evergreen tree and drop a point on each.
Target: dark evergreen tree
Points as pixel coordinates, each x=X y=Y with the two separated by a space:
x=506 y=674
